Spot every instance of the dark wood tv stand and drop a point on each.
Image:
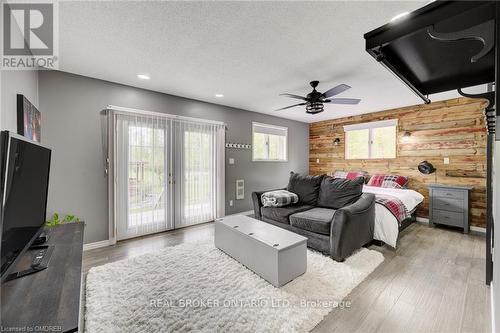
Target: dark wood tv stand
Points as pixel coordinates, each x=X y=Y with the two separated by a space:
x=48 y=300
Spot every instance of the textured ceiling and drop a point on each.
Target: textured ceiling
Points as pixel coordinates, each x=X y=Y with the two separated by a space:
x=248 y=51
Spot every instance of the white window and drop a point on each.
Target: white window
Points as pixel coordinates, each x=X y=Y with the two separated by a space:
x=373 y=140
x=269 y=142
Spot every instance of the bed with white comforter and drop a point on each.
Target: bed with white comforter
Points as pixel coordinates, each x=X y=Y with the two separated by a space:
x=386 y=225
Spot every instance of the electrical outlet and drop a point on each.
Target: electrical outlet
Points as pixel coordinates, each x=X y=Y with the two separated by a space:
x=446 y=160
x=231 y=203
x=231 y=161
x=317 y=160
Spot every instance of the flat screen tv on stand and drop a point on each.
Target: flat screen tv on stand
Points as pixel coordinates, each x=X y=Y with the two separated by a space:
x=25 y=167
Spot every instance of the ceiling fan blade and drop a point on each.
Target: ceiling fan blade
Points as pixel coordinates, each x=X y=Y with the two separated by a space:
x=343 y=101
x=291 y=106
x=336 y=90
x=294 y=96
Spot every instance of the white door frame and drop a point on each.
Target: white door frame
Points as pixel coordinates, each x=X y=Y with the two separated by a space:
x=110 y=114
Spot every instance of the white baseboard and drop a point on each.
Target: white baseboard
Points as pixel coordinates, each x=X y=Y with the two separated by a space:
x=96 y=245
x=480 y=230
x=108 y=242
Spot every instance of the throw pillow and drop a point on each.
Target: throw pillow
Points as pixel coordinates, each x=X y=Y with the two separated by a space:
x=350 y=174
x=388 y=181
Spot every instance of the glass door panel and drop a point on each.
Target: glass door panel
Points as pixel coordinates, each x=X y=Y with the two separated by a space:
x=195 y=174
x=143 y=183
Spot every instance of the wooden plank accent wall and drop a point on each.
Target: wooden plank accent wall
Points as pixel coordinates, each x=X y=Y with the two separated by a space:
x=454 y=128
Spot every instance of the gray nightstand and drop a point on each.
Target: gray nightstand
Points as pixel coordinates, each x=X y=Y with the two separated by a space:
x=449 y=205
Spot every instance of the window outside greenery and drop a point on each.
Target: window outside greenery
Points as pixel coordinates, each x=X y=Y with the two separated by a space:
x=146 y=169
x=371 y=143
x=198 y=156
x=384 y=142
x=357 y=144
x=267 y=146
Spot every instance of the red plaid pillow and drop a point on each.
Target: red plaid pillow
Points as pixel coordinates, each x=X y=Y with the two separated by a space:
x=388 y=181
x=351 y=175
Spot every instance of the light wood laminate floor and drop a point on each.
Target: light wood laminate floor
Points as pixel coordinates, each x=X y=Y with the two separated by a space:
x=433 y=282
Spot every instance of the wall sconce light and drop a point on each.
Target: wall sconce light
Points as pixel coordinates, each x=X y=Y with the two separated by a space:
x=406 y=136
x=336 y=142
x=427 y=168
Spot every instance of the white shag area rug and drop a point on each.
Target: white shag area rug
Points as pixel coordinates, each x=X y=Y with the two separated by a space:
x=195 y=287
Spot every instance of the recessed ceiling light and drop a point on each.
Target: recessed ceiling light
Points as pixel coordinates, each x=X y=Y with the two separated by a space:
x=219 y=95
x=401 y=15
x=143 y=76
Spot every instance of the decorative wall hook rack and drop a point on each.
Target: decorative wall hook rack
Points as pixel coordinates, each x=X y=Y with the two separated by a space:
x=238 y=146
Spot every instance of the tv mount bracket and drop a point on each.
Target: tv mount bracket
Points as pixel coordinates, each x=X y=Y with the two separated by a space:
x=484 y=32
x=380 y=57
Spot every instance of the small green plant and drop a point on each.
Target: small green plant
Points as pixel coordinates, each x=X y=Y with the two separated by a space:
x=55 y=220
x=71 y=218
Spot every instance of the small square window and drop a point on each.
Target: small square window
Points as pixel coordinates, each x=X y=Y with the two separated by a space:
x=375 y=140
x=269 y=142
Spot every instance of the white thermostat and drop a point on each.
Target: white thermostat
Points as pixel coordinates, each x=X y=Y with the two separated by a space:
x=240 y=189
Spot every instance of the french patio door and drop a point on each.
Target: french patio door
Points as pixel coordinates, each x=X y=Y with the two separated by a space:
x=169 y=173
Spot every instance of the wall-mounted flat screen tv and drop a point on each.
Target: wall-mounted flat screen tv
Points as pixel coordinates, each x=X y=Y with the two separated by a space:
x=24 y=186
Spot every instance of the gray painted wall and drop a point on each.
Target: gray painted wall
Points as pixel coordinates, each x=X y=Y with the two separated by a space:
x=12 y=83
x=70 y=105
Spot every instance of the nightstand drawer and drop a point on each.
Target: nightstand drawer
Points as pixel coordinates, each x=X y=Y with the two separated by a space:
x=449 y=204
x=448 y=218
x=448 y=194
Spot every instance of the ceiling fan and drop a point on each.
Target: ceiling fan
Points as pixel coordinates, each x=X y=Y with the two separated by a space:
x=314 y=100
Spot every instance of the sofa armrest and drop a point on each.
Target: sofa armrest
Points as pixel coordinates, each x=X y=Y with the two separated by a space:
x=257 y=203
x=352 y=227
x=361 y=206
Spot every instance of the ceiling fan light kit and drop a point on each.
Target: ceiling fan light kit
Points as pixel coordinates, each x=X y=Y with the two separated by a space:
x=315 y=100
x=313 y=108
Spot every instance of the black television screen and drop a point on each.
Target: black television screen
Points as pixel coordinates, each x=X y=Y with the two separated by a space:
x=25 y=180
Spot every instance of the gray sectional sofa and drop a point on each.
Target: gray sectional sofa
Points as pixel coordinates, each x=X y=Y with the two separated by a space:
x=334 y=214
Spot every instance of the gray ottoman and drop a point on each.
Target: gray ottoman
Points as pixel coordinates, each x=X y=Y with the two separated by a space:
x=276 y=254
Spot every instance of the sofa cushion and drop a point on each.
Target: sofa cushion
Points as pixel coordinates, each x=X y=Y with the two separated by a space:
x=281 y=214
x=338 y=192
x=317 y=220
x=306 y=187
